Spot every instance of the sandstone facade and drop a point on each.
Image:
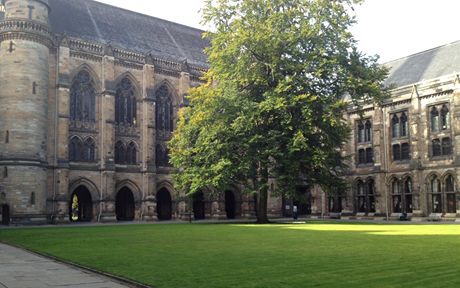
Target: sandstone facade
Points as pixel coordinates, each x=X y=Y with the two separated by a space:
x=89 y=95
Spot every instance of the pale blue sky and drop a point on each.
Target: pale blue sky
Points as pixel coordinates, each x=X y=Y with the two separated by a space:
x=390 y=28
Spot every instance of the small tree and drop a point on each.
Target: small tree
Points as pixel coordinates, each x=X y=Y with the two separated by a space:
x=273 y=104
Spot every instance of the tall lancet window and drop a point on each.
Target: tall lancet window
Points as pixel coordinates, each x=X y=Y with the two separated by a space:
x=83 y=98
x=125 y=103
x=164 y=109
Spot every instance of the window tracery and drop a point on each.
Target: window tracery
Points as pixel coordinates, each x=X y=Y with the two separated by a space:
x=83 y=98
x=80 y=151
x=164 y=109
x=125 y=103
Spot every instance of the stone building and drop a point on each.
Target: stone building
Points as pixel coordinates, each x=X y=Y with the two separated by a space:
x=405 y=152
x=89 y=95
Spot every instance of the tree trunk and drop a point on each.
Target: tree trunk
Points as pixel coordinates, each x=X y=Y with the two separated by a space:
x=262 y=196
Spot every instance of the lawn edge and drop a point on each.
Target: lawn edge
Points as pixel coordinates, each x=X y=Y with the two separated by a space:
x=122 y=280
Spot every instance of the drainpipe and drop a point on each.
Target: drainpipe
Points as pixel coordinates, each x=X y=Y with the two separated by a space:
x=145 y=144
x=101 y=144
x=56 y=120
x=385 y=163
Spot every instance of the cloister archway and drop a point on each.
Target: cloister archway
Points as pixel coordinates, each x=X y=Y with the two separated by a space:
x=124 y=205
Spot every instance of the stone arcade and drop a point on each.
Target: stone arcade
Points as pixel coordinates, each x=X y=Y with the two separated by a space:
x=89 y=95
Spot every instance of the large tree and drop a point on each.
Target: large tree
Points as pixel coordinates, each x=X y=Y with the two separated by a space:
x=282 y=73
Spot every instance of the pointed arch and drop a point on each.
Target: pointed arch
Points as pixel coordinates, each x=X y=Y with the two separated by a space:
x=165 y=184
x=83 y=92
x=449 y=190
x=434 y=119
x=404 y=125
x=136 y=84
x=132 y=186
x=131 y=153
x=120 y=153
x=76 y=148
x=445 y=118
x=430 y=176
x=171 y=89
x=126 y=96
x=365 y=195
x=89 y=149
x=161 y=156
x=92 y=72
x=88 y=184
x=395 y=127
x=164 y=107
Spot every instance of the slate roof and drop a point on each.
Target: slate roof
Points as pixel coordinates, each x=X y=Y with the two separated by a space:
x=430 y=64
x=91 y=20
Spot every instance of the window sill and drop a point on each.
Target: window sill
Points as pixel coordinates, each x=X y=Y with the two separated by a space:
x=446 y=132
x=365 y=165
x=401 y=162
x=442 y=157
x=400 y=139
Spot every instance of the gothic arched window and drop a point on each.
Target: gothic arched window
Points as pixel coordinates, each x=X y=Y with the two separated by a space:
x=446 y=146
x=395 y=131
x=408 y=195
x=396 y=194
x=164 y=109
x=131 y=154
x=436 y=199
x=83 y=98
x=75 y=149
x=162 y=156
x=125 y=103
x=368 y=131
x=404 y=125
x=361 y=197
x=120 y=153
x=360 y=132
x=451 y=199
x=89 y=149
x=434 y=119
x=365 y=198
x=445 y=121
x=436 y=147
x=402 y=195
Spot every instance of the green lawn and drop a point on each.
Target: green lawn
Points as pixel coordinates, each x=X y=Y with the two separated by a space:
x=304 y=255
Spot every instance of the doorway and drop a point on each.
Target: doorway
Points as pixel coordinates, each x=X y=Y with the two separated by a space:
x=81 y=205
x=164 y=205
x=5 y=214
x=124 y=205
x=198 y=206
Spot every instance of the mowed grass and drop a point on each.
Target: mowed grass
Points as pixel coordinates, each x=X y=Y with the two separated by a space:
x=265 y=256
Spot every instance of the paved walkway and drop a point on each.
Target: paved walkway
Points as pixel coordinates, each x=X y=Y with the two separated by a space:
x=21 y=269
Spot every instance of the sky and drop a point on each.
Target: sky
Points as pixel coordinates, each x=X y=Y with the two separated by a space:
x=389 y=28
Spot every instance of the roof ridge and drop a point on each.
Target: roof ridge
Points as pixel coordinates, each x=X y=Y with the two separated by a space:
x=421 y=52
x=144 y=15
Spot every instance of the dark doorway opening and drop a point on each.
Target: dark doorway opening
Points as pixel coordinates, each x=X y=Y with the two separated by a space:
x=5 y=215
x=230 y=204
x=164 y=205
x=198 y=206
x=124 y=205
x=303 y=201
x=81 y=205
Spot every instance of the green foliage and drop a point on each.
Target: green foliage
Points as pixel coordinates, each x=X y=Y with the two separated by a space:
x=274 y=100
x=264 y=256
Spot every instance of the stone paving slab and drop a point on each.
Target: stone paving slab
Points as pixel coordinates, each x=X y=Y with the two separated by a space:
x=21 y=269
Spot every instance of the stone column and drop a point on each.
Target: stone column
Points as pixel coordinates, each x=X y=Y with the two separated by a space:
x=106 y=122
